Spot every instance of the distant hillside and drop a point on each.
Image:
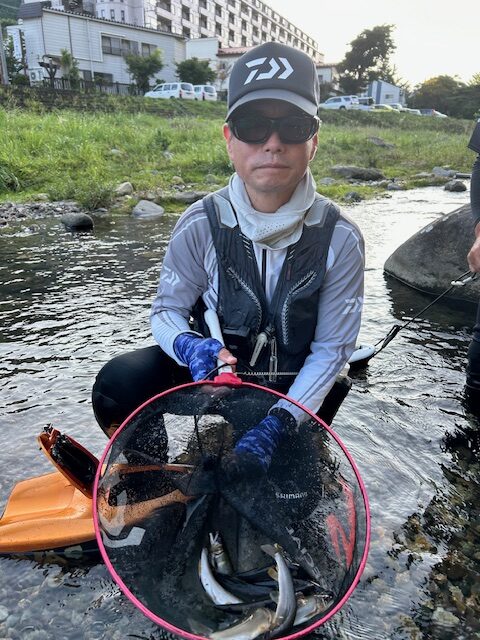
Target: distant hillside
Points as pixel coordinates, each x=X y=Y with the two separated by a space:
x=8 y=9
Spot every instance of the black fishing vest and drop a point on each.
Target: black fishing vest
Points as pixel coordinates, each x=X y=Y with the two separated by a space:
x=272 y=340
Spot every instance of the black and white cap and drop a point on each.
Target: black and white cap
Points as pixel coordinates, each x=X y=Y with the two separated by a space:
x=277 y=72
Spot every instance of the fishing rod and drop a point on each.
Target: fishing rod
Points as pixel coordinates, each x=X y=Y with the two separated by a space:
x=461 y=281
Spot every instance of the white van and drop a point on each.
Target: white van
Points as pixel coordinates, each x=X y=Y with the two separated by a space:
x=204 y=92
x=340 y=102
x=182 y=90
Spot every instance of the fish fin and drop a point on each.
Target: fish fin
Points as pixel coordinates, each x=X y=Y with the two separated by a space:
x=269 y=549
x=273 y=573
x=198 y=628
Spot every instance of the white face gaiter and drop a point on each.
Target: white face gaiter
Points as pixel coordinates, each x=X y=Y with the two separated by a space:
x=273 y=230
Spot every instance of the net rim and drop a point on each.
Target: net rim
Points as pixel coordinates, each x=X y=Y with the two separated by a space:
x=220 y=381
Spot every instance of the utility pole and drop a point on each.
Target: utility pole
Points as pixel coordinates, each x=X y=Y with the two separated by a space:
x=3 y=60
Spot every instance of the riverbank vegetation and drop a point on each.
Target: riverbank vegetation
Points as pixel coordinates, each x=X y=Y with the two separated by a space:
x=84 y=155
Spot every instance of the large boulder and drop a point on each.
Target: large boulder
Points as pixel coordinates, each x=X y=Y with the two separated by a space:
x=77 y=221
x=436 y=255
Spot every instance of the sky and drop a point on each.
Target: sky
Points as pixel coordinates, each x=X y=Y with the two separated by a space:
x=432 y=38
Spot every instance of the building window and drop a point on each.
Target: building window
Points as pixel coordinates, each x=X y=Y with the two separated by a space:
x=148 y=49
x=244 y=25
x=218 y=29
x=231 y=35
x=163 y=24
x=232 y=3
x=122 y=15
x=255 y=16
x=186 y=32
x=185 y=13
x=202 y=4
x=103 y=13
x=112 y=14
x=244 y=41
x=203 y=22
x=255 y=32
x=264 y=36
x=166 y=5
x=231 y=18
x=244 y=8
x=218 y=10
x=103 y=78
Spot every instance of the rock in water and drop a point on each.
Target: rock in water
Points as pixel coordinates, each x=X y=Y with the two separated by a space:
x=436 y=255
x=77 y=221
x=147 y=209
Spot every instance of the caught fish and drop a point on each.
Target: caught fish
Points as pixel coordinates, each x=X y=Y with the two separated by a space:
x=214 y=589
x=310 y=606
x=287 y=602
x=220 y=559
x=256 y=624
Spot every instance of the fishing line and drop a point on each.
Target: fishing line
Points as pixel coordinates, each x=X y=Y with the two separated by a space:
x=464 y=279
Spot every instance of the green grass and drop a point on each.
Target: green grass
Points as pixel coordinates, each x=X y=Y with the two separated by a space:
x=68 y=154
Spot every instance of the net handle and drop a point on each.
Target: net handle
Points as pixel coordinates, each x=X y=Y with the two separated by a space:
x=213 y=324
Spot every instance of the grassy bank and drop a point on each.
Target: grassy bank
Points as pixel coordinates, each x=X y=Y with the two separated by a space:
x=83 y=156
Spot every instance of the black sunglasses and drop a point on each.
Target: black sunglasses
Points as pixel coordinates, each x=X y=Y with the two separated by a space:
x=257 y=129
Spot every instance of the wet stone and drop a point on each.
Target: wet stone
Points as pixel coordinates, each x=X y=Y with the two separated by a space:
x=3 y=613
x=444 y=623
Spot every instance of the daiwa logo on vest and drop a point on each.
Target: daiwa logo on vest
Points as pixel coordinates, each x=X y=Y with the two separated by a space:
x=282 y=66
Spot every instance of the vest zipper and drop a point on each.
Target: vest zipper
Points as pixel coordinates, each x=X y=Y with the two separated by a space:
x=249 y=291
x=298 y=286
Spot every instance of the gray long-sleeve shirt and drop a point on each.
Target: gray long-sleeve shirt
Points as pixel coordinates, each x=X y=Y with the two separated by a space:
x=190 y=270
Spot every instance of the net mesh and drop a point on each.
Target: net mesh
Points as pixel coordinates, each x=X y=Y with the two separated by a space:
x=179 y=534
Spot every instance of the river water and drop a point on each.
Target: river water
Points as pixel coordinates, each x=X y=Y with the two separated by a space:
x=70 y=302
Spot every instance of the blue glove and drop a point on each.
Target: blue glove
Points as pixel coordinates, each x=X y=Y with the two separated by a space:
x=200 y=354
x=262 y=440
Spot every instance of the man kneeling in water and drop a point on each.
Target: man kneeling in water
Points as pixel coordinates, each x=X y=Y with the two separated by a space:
x=281 y=265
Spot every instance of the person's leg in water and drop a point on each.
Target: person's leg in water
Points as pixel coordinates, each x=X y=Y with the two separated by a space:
x=125 y=383
x=472 y=387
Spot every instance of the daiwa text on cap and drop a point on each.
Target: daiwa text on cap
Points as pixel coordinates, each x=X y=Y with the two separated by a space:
x=274 y=71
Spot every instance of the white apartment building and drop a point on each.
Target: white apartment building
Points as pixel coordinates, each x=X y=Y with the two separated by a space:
x=236 y=23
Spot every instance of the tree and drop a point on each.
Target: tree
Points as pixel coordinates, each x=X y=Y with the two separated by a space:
x=70 y=70
x=368 y=59
x=14 y=65
x=475 y=79
x=195 y=71
x=142 y=68
x=223 y=72
x=437 y=93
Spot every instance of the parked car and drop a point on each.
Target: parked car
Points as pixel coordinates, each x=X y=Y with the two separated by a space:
x=182 y=90
x=383 y=107
x=433 y=112
x=340 y=102
x=204 y=92
x=397 y=106
x=415 y=112
x=365 y=103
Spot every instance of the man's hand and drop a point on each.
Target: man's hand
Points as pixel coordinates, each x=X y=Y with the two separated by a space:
x=473 y=256
x=201 y=354
x=262 y=441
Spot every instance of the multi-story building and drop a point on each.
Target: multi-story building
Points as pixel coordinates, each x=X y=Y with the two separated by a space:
x=236 y=23
x=97 y=33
